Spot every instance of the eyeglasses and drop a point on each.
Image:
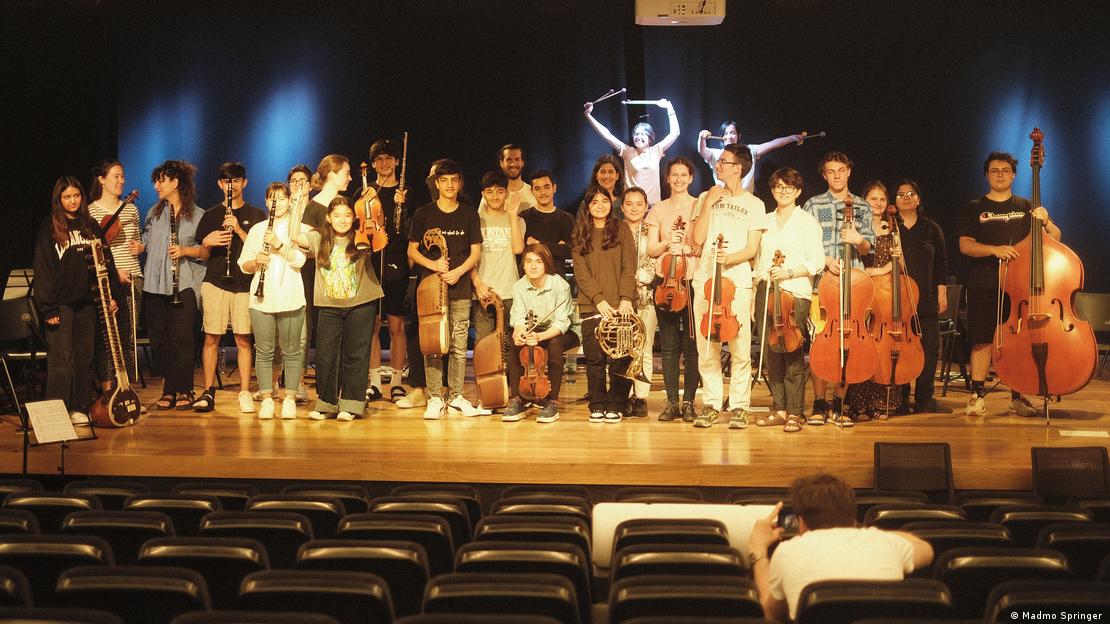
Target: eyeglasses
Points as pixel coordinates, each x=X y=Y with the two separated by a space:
x=782 y=189
x=907 y=194
x=728 y=162
x=1002 y=171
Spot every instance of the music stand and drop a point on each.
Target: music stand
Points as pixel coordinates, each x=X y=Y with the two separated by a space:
x=19 y=283
x=49 y=421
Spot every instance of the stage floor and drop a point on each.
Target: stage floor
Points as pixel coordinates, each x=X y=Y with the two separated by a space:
x=388 y=444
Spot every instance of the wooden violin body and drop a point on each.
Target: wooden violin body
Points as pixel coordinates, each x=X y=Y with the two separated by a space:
x=489 y=359
x=119 y=406
x=1042 y=347
x=534 y=383
x=718 y=323
x=900 y=356
x=783 y=334
x=370 y=233
x=844 y=352
x=431 y=303
x=672 y=294
x=110 y=225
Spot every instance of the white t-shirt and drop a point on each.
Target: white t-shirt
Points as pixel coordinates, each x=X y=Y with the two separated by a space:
x=497 y=267
x=521 y=197
x=733 y=217
x=642 y=170
x=284 y=291
x=799 y=240
x=748 y=181
x=833 y=554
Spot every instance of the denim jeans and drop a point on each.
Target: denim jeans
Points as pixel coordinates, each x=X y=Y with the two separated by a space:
x=273 y=327
x=343 y=357
x=458 y=323
x=675 y=340
x=787 y=373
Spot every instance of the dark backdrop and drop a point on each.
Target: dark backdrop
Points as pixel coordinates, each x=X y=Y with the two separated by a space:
x=921 y=90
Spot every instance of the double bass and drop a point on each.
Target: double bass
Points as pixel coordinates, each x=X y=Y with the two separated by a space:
x=718 y=323
x=371 y=232
x=119 y=405
x=489 y=358
x=783 y=334
x=844 y=352
x=895 y=325
x=431 y=302
x=1041 y=347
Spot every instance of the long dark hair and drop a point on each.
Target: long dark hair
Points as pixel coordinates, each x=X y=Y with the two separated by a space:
x=582 y=236
x=618 y=188
x=58 y=219
x=99 y=171
x=185 y=173
x=328 y=237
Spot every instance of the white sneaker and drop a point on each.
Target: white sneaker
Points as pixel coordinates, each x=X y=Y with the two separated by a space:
x=314 y=415
x=1023 y=407
x=78 y=418
x=288 y=408
x=482 y=411
x=345 y=416
x=246 y=403
x=597 y=417
x=612 y=417
x=435 y=409
x=460 y=404
x=266 y=410
x=976 y=406
x=415 y=398
x=302 y=393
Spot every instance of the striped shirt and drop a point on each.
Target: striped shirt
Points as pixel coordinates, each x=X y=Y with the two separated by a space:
x=130 y=230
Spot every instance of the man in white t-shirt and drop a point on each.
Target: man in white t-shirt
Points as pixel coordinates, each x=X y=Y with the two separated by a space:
x=829 y=546
x=519 y=193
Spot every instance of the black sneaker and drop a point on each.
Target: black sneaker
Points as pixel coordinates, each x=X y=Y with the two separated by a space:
x=689 y=412
x=514 y=411
x=637 y=408
x=548 y=413
x=670 y=412
x=931 y=407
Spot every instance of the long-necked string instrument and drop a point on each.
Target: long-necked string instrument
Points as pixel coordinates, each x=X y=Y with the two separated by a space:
x=489 y=358
x=844 y=353
x=431 y=301
x=119 y=405
x=896 y=327
x=1041 y=347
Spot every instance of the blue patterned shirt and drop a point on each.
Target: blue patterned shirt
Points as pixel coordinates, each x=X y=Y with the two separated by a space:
x=829 y=212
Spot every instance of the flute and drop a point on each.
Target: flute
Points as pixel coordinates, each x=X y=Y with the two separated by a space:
x=260 y=291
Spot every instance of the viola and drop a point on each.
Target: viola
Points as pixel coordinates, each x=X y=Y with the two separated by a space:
x=534 y=383
x=783 y=334
x=1042 y=347
x=844 y=353
x=718 y=323
x=894 y=311
x=672 y=294
x=110 y=224
x=370 y=233
x=489 y=358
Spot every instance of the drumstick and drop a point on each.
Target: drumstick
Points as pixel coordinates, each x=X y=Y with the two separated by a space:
x=608 y=94
x=641 y=102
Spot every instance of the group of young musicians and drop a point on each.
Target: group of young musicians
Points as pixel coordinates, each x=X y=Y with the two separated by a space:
x=704 y=271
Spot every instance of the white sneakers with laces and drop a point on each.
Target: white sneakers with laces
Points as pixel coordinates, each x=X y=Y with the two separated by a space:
x=435 y=409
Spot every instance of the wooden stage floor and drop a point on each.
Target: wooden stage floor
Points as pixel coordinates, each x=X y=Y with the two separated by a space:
x=390 y=445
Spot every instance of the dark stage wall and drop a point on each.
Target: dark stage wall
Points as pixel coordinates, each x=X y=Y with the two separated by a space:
x=921 y=90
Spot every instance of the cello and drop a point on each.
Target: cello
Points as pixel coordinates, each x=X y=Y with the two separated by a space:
x=844 y=353
x=489 y=358
x=783 y=334
x=1041 y=347
x=718 y=323
x=431 y=302
x=894 y=310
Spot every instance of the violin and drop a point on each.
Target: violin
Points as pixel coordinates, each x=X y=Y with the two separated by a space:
x=489 y=358
x=783 y=334
x=534 y=383
x=110 y=225
x=1042 y=347
x=894 y=310
x=672 y=294
x=370 y=233
x=718 y=323
x=844 y=353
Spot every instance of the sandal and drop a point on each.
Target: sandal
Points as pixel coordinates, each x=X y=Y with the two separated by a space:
x=165 y=401
x=205 y=402
x=863 y=417
x=373 y=393
x=816 y=419
x=882 y=416
x=772 y=420
x=395 y=393
x=793 y=424
x=184 y=401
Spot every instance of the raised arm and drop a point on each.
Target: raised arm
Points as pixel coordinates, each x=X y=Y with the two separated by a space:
x=613 y=141
x=672 y=122
x=703 y=148
x=763 y=148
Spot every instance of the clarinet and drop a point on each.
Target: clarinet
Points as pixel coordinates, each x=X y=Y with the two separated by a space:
x=258 y=292
x=227 y=213
x=174 y=268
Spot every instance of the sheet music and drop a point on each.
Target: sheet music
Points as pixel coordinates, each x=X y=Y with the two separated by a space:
x=50 y=421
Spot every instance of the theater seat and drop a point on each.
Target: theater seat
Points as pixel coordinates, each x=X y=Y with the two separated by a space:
x=522 y=594
x=944 y=536
x=139 y=595
x=456 y=618
x=124 y=530
x=185 y=509
x=1025 y=522
x=980 y=504
x=252 y=617
x=671 y=596
x=233 y=496
x=846 y=601
x=324 y=512
x=971 y=573
x=15 y=589
x=355 y=497
x=50 y=508
x=658 y=495
x=112 y=494
x=520 y=528
x=641 y=531
x=678 y=559
x=552 y=489
x=403 y=565
x=543 y=506
x=223 y=561
x=466 y=494
x=450 y=508
x=1009 y=601
x=18 y=521
x=43 y=558
x=433 y=533
x=282 y=534
x=46 y=615
x=349 y=597
x=1083 y=543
